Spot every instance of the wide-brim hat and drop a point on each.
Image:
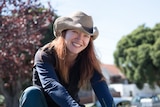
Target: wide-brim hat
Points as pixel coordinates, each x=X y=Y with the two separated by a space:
x=78 y=20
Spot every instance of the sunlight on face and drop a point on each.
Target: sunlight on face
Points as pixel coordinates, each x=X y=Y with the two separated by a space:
x=76 y=41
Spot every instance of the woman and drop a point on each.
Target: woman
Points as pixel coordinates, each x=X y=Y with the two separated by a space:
x=64 y=65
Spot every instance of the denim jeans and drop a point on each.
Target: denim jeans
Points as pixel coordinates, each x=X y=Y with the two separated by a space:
x=32 y=97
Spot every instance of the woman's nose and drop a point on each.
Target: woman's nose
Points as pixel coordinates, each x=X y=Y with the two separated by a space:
x=80 y=36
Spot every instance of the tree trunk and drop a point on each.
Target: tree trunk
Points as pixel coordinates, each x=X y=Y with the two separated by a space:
x=12 y=101
x=11 y=94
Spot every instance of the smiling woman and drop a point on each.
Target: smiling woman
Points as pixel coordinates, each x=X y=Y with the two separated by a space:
x=64 y=65
x=76 y=41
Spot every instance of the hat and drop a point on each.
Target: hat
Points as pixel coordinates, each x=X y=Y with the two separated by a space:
x=78 y=20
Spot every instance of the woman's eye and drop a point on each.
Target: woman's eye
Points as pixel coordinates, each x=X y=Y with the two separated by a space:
x=74 y=31
x=87 y=36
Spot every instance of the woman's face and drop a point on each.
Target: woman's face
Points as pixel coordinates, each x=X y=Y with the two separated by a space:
x=76 y=41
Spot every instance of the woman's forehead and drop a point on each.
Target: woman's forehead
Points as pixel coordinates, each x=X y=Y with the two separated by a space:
x=79 y=31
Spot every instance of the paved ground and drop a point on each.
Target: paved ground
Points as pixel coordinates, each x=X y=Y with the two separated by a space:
x=89 y=105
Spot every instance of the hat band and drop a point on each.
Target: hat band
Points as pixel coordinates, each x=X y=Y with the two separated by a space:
x=89 y=30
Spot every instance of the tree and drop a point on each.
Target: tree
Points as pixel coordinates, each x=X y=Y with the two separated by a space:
x=138 y=56
x=22 y=25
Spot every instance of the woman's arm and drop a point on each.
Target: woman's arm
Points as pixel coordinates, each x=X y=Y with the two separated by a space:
x=50 y=82
x=101 y=90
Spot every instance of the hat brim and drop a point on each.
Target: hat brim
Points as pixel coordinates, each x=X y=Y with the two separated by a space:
x=64 y=23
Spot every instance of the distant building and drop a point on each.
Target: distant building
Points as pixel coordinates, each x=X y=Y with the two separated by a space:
x=117 y=80
x=113 y=74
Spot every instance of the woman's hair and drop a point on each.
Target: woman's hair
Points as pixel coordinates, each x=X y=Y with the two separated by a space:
x=88 y=60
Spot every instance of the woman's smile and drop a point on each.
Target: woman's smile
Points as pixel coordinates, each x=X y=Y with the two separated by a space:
x=76 y=44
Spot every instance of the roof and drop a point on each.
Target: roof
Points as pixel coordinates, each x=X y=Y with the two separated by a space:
x=112 y=70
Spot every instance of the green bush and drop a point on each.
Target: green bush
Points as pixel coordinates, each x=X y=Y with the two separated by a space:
x=1 y=100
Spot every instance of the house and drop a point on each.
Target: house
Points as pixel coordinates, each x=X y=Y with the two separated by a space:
x=113 y=74
x=117 y=80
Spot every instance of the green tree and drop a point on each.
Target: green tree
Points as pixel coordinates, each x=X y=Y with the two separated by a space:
x=137 y=55
x=22 y=25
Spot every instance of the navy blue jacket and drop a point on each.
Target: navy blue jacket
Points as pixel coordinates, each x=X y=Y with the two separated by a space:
x=60 y=94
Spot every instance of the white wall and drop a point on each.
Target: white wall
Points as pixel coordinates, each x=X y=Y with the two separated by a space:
x=106 y=75
x=126 y=89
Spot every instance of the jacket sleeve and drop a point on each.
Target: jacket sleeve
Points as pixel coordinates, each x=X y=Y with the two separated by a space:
x=101 y=90
x=50 y=82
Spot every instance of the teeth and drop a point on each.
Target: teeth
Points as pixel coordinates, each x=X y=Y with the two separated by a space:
x=75 y=44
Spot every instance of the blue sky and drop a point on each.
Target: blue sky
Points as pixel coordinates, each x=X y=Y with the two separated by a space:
x=114 y=19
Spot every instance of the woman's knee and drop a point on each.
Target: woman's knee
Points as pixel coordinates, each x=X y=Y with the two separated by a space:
x=33 y=91
x=32 y=95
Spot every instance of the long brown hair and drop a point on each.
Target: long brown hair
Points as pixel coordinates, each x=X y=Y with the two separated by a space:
x=88 y=60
